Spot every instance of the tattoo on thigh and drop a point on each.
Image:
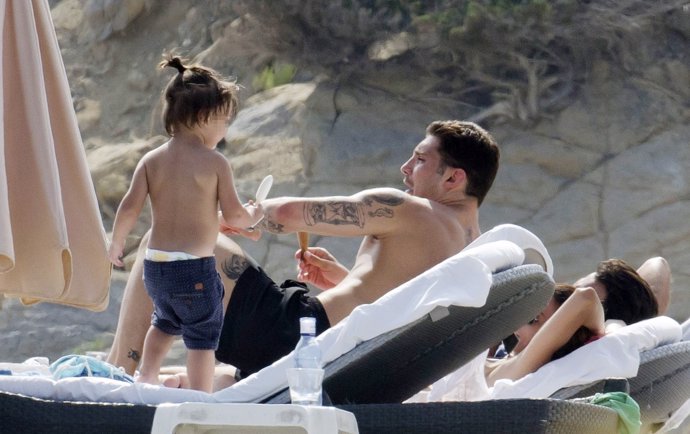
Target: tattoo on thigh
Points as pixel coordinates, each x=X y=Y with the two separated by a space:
x=234 y=266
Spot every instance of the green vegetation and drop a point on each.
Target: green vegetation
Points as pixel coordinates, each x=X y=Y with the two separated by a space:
x=274 y=75
x=513 y=58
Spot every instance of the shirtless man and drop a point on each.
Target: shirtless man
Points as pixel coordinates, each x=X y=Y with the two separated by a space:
x=405 y=233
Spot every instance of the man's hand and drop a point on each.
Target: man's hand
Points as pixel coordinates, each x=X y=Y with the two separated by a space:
x=318 y=267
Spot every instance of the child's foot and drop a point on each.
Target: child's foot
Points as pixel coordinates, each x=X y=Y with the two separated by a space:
x=147 y=379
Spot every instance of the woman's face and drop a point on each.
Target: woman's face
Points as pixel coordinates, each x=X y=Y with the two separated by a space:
x=527 y=331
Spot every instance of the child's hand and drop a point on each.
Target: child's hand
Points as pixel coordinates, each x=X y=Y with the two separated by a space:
x=228 y=230
x=115 y=252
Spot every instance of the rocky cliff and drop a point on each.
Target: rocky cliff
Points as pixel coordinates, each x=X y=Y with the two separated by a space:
x=590 y=104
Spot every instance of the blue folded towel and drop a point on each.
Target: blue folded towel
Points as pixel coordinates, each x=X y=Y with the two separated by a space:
x=74 y=365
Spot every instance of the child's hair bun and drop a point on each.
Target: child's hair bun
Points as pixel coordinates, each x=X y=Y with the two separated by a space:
x=175 y=62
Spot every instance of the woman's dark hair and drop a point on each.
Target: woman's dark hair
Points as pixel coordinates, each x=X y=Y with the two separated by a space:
x=195 y=94
x=628 y=296
x=581 y=336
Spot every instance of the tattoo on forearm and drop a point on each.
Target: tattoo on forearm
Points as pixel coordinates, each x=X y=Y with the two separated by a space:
x=348 y=213
x=267 y=224
x=234 y=266
x=334 y=213
x=381 y=212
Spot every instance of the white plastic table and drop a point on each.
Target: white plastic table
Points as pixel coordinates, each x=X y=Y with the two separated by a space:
x=251 y=418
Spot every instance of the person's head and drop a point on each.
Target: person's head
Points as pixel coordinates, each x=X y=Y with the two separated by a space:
x=624 y=294
x=453 y=153
x=525 y=333
x=196 y=97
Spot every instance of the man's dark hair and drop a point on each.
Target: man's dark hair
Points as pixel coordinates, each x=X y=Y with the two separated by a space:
x=467 y=146
x=628 y=296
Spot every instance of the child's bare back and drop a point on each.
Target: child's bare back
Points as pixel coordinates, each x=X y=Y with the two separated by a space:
x=186 y=182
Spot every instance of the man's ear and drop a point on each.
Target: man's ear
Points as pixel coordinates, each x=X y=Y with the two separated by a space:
x=455 y=177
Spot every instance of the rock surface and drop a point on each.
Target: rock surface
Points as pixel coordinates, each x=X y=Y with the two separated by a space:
x=606 y=175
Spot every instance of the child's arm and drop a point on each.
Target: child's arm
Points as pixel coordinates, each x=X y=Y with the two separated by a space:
x=128 y=212
x=234 y=213
x=582 y=308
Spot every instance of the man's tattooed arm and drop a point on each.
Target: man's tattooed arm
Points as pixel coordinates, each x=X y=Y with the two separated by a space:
x=334 y=213
x=268 y=225
x=350 y=213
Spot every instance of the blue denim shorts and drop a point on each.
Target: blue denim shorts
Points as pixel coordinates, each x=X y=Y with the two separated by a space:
x=188 y=300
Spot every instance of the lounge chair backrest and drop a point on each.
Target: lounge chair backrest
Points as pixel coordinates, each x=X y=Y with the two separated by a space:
x=393 y=366
x=532 y=256
x=662 y=383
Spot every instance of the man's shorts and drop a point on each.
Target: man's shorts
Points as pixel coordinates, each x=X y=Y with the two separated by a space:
x=262 y=320
x=188 y=300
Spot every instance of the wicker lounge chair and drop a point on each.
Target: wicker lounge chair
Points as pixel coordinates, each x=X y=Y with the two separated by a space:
x=662 y=384
x=661 y=387
x=458 y=335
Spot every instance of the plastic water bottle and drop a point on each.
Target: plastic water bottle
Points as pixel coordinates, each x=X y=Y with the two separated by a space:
x=305 y=380
x=307 y=351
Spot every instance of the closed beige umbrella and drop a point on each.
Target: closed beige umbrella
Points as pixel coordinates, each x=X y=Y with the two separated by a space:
x=52 y=241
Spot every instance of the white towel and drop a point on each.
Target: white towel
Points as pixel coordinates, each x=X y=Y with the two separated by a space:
x=614 y=355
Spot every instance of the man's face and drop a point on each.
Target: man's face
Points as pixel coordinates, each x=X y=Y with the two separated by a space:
x=421 y=171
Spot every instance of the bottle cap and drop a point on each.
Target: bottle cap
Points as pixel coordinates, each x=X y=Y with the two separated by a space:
x=307 y=325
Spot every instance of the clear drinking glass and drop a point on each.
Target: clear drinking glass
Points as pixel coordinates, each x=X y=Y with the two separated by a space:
x=305 y=385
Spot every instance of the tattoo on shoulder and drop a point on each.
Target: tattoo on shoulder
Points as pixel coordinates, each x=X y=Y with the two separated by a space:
x=234 y=266
x=385 y=199
x=334 y=213
x=388 y=200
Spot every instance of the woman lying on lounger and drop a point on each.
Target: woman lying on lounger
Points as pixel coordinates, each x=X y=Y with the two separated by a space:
x=575 y=316
x=627 y=294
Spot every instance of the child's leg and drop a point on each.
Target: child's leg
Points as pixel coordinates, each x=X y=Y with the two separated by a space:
x=156 y=347
x=200 y=368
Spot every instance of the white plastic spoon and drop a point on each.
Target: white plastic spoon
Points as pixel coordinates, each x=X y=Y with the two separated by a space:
x=261 y=194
